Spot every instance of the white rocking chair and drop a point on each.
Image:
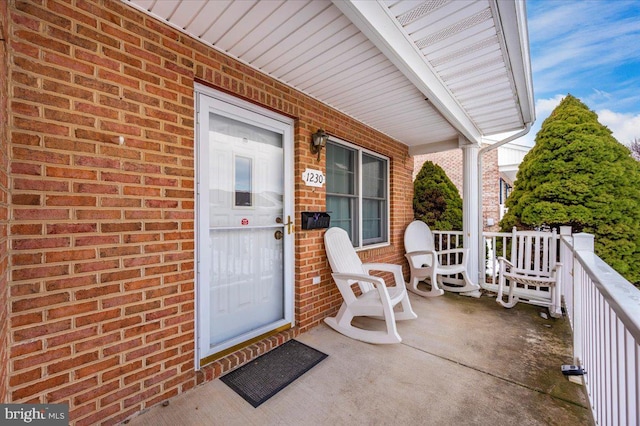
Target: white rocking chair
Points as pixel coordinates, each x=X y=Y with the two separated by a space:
x=377 y=300
x=424 y=262
x=533 y=273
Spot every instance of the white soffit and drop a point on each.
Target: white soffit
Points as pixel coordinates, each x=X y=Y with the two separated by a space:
x=378 y=61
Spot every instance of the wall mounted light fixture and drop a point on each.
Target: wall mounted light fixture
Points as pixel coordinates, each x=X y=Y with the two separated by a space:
x=318 y=141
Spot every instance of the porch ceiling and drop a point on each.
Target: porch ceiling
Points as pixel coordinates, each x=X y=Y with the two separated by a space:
x=379 y=61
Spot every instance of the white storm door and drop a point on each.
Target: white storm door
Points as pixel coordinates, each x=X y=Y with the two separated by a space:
x=244 y=220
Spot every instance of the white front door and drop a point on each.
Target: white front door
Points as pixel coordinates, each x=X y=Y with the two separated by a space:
x=244 y=222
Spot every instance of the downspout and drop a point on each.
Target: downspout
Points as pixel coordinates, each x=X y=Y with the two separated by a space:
x=481 y=251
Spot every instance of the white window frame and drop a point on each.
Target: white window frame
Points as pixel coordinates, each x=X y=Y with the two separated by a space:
x=360 y=150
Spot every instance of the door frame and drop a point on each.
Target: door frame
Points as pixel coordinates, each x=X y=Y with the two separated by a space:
x=203 y=354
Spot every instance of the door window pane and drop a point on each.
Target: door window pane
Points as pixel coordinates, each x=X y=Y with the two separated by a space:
x=243 y=182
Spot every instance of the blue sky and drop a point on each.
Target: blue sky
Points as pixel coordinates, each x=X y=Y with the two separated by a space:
x=591 y=49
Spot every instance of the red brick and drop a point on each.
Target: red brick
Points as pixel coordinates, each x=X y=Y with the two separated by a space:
x=23 y=259
x=41 y=358
x=71 y=228
x=26 y=199
x=100 y=341
x=121 y=394
x=18 y=349
x=145 y=350
x=142 y=307
x=96 y=368
x=103 y=315
x=70 y=255
x=121 y=300
x=141 y=329
x=41 y=214
x=100 y=265
x=121 y=370
x=96 y=240
x=77 y=334
x=25 y=377
x=26 y=319
x=71 y=200
x=39 y=302
x=119 y=276
x=39 y=272
x=71 y=310
x=74 y=388
x=34 y=388
x=95 y=392
x=70 y=363
x=97 y=291
x=71 y=282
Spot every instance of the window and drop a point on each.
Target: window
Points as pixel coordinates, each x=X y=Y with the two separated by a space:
x=243 y=182
x=357 y=193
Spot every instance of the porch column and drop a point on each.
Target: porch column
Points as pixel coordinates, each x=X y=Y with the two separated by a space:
x=471 y=208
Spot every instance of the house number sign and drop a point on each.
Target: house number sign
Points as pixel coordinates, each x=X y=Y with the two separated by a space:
x=313 y=177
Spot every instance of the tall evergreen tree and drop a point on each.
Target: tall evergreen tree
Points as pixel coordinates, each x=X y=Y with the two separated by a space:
x=436 y=200
x=577 y=174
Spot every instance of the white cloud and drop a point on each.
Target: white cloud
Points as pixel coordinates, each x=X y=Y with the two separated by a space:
x=545 y=106
x=625 y=127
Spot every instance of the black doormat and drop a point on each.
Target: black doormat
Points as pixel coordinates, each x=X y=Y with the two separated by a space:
x=268 y=374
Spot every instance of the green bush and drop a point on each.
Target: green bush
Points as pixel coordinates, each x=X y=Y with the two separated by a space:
x=436 y=200
x=578 y=174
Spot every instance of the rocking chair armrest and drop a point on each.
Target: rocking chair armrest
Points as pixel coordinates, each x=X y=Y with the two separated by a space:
x=345 y=280
x=412 y=254
x=464 y=252
x=556 y=268
x=358 y=277
x=505 y=260
x=385 y=267
x=503 y=264
x=396 y=270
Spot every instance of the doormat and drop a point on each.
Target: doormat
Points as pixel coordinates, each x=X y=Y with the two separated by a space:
x=268 y=374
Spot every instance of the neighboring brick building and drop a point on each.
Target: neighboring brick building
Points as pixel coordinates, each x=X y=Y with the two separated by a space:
x=451 y=163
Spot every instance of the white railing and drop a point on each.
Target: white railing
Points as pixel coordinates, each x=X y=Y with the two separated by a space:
x=495 y=246
x=446 y=240
x=604 y=310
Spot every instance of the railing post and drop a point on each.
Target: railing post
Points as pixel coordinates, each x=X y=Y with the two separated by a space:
x=581 y=242
x=566 y=259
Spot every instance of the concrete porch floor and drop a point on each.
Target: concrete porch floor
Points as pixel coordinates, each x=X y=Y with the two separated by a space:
x=464 y=361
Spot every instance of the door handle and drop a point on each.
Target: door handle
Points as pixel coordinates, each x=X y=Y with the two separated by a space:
x=289 y=225
x=278 y=235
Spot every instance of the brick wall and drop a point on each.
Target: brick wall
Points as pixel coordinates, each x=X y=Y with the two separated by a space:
x=102 y=234
x=452 y=163
x=4 y=288
x=491 y=190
